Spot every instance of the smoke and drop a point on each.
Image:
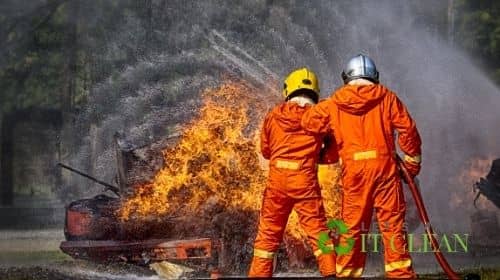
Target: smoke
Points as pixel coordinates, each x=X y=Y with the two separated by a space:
x=453 y=102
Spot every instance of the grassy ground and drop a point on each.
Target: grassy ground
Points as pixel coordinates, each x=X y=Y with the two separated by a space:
x=31 y=258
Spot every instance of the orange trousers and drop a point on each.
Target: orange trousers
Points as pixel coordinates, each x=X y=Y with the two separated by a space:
x=276 y=208
x=365 y=191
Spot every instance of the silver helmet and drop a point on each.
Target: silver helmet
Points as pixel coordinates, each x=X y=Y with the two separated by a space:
x=360 y=66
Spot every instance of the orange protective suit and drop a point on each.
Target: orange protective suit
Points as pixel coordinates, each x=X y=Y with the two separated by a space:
x=292 y=184
x=363 y=118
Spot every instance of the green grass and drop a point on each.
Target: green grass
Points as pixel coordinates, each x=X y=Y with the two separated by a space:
x=16 y=258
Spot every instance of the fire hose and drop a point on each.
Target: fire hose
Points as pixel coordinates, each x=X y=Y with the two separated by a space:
x=425 y=220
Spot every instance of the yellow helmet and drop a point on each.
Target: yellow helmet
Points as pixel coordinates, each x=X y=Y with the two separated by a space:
x=301 y=78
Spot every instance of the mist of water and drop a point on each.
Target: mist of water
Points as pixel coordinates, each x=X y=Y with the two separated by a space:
x=454 y=103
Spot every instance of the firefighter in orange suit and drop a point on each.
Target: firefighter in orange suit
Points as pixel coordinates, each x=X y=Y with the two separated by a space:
x=363 y=115
x=292 y=184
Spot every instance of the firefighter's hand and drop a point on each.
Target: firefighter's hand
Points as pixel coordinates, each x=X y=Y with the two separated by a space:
x=413 y=168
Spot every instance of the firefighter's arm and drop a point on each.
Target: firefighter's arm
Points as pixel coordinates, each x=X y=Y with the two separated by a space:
x=317 y=119
x=408 y=137
x=265 y=149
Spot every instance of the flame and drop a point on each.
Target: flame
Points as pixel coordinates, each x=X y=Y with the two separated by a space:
x=217 y=159
x=329 y=181
x=216 y=156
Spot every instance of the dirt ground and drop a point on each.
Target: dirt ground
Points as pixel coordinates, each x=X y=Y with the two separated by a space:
x=36 y=255
x=73 y=271
x=54 y=265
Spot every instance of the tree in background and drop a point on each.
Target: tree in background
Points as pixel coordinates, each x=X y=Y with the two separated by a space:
x=477 y=29
x=52 y=52
x=65 y=55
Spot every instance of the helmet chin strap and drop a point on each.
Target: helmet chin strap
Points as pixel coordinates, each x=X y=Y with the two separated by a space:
x=302 y=100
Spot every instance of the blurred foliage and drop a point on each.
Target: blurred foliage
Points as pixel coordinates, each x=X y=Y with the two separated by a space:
x=133 y=61
x=478 y=32
x=53 y=51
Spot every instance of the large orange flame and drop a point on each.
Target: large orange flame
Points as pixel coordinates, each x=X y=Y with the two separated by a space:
x=217 y=158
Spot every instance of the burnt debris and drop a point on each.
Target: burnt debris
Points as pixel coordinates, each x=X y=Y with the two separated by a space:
x=490 y=186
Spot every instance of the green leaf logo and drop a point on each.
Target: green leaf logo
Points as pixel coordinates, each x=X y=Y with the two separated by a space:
x=341 y=228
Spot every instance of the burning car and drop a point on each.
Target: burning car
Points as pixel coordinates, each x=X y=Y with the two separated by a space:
x=194 y=198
